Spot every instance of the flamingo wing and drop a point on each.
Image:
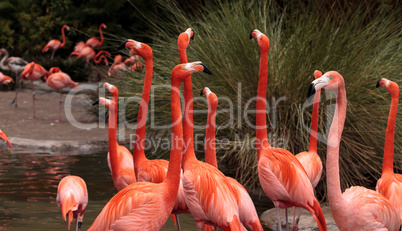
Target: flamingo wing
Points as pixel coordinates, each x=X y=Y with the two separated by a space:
x=53 y=44
x=390 y=186
x=312 y=164
x=93 y=42
x=153 y=171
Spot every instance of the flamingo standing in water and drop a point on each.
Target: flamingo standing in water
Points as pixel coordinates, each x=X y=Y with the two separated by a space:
x=247 y=213
x=55 y=44
x=358 y=208
x=89 y=54
x=5 y=79
x=94 y=42
x=4 y=137
x=72 y=199
x=33 y=71
x=390 y=184
x=281 y=175
x=16 y=65
x=146 y=205
x=58 y=81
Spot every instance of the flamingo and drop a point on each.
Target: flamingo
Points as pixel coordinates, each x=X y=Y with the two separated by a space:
x=147 y=205
x=118 y=66
x=89 y=54
x=5 y=79
x=94 y=42
x=310 y=160
x=281 y=175
x=55 y=44
x=134 y=61
x=4 y=137
x=33 y=71
x=16 y=65
x=358 y=208
x=247 y=213
x=78 y=48
x=58 y=81
x=390 y=184
x=72 y=199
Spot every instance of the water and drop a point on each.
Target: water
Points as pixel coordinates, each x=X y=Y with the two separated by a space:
x=28 y=187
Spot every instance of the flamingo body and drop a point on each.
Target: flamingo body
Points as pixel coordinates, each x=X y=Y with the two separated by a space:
x=33 y=71
x=312 y=164
x=56 y=44
x=94 y=42
x=78 y=48
x=5 y=79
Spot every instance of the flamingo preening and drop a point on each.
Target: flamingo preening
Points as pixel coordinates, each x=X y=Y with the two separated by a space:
x=247 y=212
x=89 y=54
x=390 y=184
x=281 y=175
x=16 y=65
x=5 y=79
x=4 y=137
x=94 y=42
x=146 y=205
x=33 y=71
x=358 y=208
x=55 y=44
x=72 y=199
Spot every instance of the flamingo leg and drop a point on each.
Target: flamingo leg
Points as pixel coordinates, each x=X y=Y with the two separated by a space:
x=177 y=222
x=296 y=223
x=17 y=89
x=54 y=51
x=33 y=100
x=59 y=109
x=76 y=225
x=287 y=223
x=279 y=219
x=65 y=224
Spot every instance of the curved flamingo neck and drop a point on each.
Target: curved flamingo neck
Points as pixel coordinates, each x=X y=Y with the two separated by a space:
x=336 y=201
x=210 y=151
x=99 y=58
x=388 y=161
x=64 y=37
x=314 y=122
x=101 y=35
x=112 y=127
x=261 y=105
x=138 y=152
x=3 y=60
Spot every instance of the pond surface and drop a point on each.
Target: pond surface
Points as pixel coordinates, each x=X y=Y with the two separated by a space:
x=28 y=187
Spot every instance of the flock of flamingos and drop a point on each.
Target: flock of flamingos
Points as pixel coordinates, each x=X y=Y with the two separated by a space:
x=152 y=190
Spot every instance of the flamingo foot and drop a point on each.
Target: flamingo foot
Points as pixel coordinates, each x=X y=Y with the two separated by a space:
x=295 y=227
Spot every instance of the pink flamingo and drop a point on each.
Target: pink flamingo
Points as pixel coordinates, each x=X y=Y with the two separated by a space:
x=33 y=71
x=58 y=81
x=5 y=79
x=357 y=208
x=247 y=213
x=72 y=199
x=78 y=48
x=118 y=66
x=55 y=44
x=94 y=42
x=281 y=175
x=89 y=54
x=146 y=205
x=4 y=137
x=390 y=184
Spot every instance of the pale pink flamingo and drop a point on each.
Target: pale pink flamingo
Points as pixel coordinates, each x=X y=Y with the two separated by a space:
x=89 y=54
x=78 y=48
x=390 y=184
x=58 y=81
x=145 y=205
x=55 y=44
x=282 y=177
x=16 y=65
x=72 y=199
x=247 y=212
x=33 y=71
x=4 y=137
x=358 y=208
x=5 y=79
x=94 y=42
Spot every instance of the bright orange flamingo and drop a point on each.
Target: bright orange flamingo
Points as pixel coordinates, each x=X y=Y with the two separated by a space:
x=390 y=184
x=357 y=208
x=247 y=213
x=281 y=175
x=72 y=199
x=16 y=65
x=4 y=137
x=58 y=81
x=94 y=42
x=146 y=205
x=55 y=44
x=89 y=54
x=5 y=79
x=33 y=71
x=121 y=165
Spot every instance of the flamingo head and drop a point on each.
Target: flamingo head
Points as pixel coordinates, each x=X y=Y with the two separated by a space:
x=103 y=25
x=317 y=74
x=111 y=88
x=184 y=38
x=211 y=97
x=263 y=41
x=2 y=51
x=65 y=27
x=330 y=80
x=118 y=59
x=3 y=136
x=391 y=86
x=141 y=49
x=109 y=104
x=181 y=71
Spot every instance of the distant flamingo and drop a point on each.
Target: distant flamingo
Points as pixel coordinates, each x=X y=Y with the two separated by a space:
x=89 y=54
x=78 y=48
x=5 y=79
x=390 y=184
x=72 y=199
x=357 y=208
x=94 y=42
x=247 y=213
x=3 y=136
x=121 y=165
x=134 y=61
x=58 y=81
x=281 y=175
x=16 y=65
x=33 y=71
x=145 y=205
x=117 y=67
x=55 y=44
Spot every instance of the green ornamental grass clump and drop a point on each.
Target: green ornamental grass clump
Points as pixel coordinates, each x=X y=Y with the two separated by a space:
x=361 y=41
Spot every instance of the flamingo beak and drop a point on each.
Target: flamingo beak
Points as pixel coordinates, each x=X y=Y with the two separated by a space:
x=123 y=45
x=251 y=35
x=96 y=102
x=378 y=83
x=206 y=70
x=192 y=36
